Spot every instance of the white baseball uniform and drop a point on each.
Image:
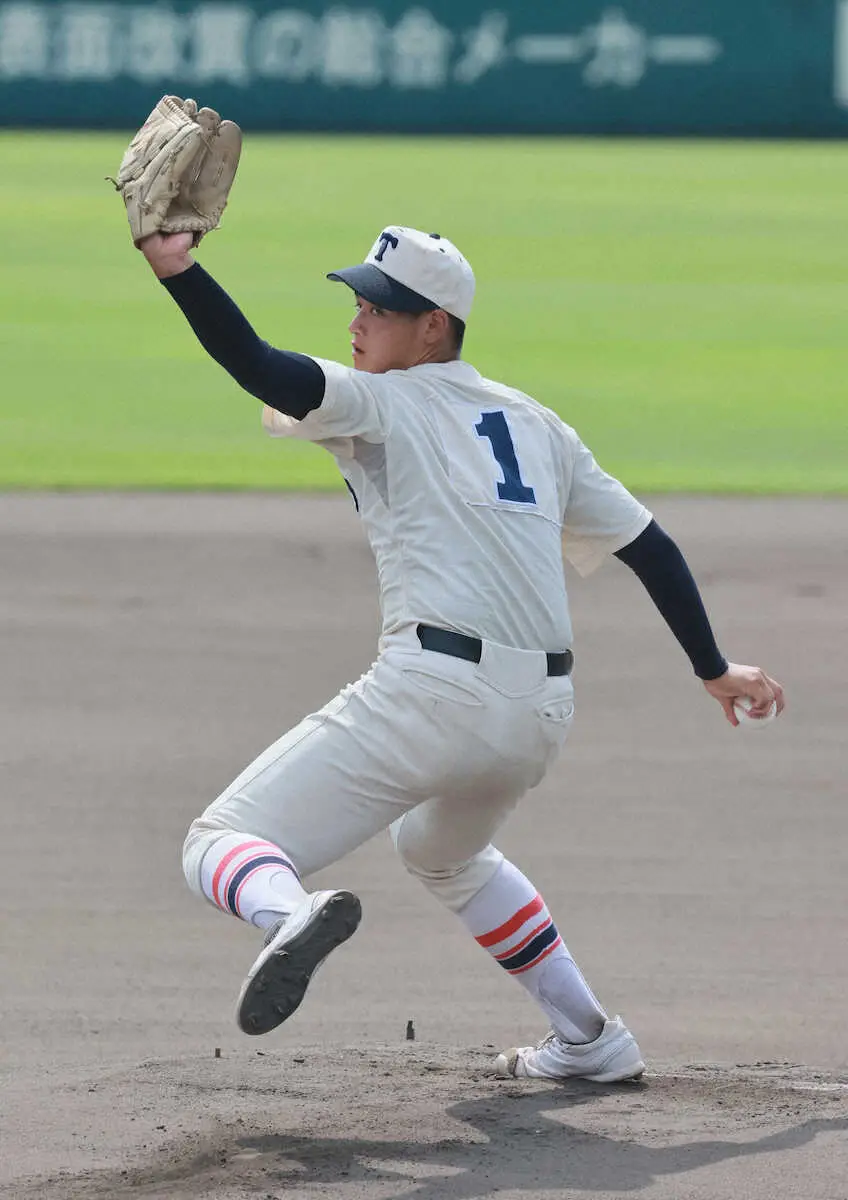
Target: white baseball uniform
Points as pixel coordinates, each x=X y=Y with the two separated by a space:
x=466 y=489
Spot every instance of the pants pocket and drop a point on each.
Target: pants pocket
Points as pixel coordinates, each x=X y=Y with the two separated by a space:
x=554 y=719
x=556 y=712
x=440 y=688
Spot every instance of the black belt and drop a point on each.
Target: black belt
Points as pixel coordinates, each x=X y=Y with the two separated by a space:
x=460 y=645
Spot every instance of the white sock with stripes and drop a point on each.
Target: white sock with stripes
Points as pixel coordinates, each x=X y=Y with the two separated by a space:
x=250 y=878
x=509 y=918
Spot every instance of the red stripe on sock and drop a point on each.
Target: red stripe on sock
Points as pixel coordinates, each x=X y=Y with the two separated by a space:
x=513 y=924
x=536 y=961
x=514 y=949
x=228 y=858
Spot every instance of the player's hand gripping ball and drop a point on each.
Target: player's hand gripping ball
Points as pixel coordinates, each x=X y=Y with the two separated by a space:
x=742 y=707
x=176 y=173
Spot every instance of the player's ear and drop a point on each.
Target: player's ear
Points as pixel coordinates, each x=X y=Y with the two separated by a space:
x=438 y=326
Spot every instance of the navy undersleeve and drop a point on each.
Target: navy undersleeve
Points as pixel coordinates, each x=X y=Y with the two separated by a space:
x=292 y=383
x=657 y=561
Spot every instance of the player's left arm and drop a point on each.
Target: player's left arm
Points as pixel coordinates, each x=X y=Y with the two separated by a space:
x=658 y=562
x=304 y=397
x=292 y=383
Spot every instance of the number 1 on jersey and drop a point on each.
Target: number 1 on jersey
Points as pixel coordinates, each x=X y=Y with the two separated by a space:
x=493 y=426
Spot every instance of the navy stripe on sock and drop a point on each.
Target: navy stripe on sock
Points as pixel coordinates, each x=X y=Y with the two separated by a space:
x=532 y=950
x=245 y=870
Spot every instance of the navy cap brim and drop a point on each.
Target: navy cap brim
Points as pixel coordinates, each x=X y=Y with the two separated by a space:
x=376 y=287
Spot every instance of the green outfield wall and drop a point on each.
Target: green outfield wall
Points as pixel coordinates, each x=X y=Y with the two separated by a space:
x=738 y=67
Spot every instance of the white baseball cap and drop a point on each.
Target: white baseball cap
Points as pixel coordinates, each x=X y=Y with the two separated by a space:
x=413 y=272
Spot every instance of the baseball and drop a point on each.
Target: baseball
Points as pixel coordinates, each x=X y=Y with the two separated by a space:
x=741 y=708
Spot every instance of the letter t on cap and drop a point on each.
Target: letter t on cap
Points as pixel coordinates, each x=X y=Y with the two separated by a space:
x=385 y=240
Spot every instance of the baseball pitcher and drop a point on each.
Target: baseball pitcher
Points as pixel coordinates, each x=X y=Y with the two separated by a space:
x=466 y=489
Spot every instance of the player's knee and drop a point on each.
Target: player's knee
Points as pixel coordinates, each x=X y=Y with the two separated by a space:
x=453 y=883
x=202 y=836
x=197 y=842
x=410 y=848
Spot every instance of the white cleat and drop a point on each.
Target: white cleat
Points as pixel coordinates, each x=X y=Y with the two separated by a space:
x=613 y=1057
x=294 y=949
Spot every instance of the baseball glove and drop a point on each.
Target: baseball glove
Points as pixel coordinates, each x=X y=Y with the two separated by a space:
x=176 y=174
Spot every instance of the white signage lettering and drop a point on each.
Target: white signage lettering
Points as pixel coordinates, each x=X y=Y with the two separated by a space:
x=155 y=44
x=286 y=45
x=840 y=55
x=353 y=46
x=420 y=51
x=24 y=41
x=85 y=43
x=346 y=46
x=549 y=48
x=485 y=48
x=219 y=43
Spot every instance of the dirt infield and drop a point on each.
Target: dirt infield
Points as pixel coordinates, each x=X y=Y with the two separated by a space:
x=152 y=644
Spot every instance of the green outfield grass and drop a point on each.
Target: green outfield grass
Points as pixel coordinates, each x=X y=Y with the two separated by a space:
x=682 y=304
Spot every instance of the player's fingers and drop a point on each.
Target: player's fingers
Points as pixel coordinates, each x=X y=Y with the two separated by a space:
x=726 y=703
x=724 y=695
x=757 y=690
x=777 y=692
x=762 y=694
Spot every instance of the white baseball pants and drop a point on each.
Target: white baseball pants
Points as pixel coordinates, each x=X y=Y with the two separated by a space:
x=438 y=748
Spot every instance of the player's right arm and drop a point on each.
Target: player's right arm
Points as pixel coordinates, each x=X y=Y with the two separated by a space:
x=602 y=517
x=659 y=563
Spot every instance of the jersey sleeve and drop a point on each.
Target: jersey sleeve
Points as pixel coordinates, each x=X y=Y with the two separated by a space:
x=353 y=407
x=601 y=516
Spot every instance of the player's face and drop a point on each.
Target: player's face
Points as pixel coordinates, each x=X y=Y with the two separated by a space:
x=386 y=341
